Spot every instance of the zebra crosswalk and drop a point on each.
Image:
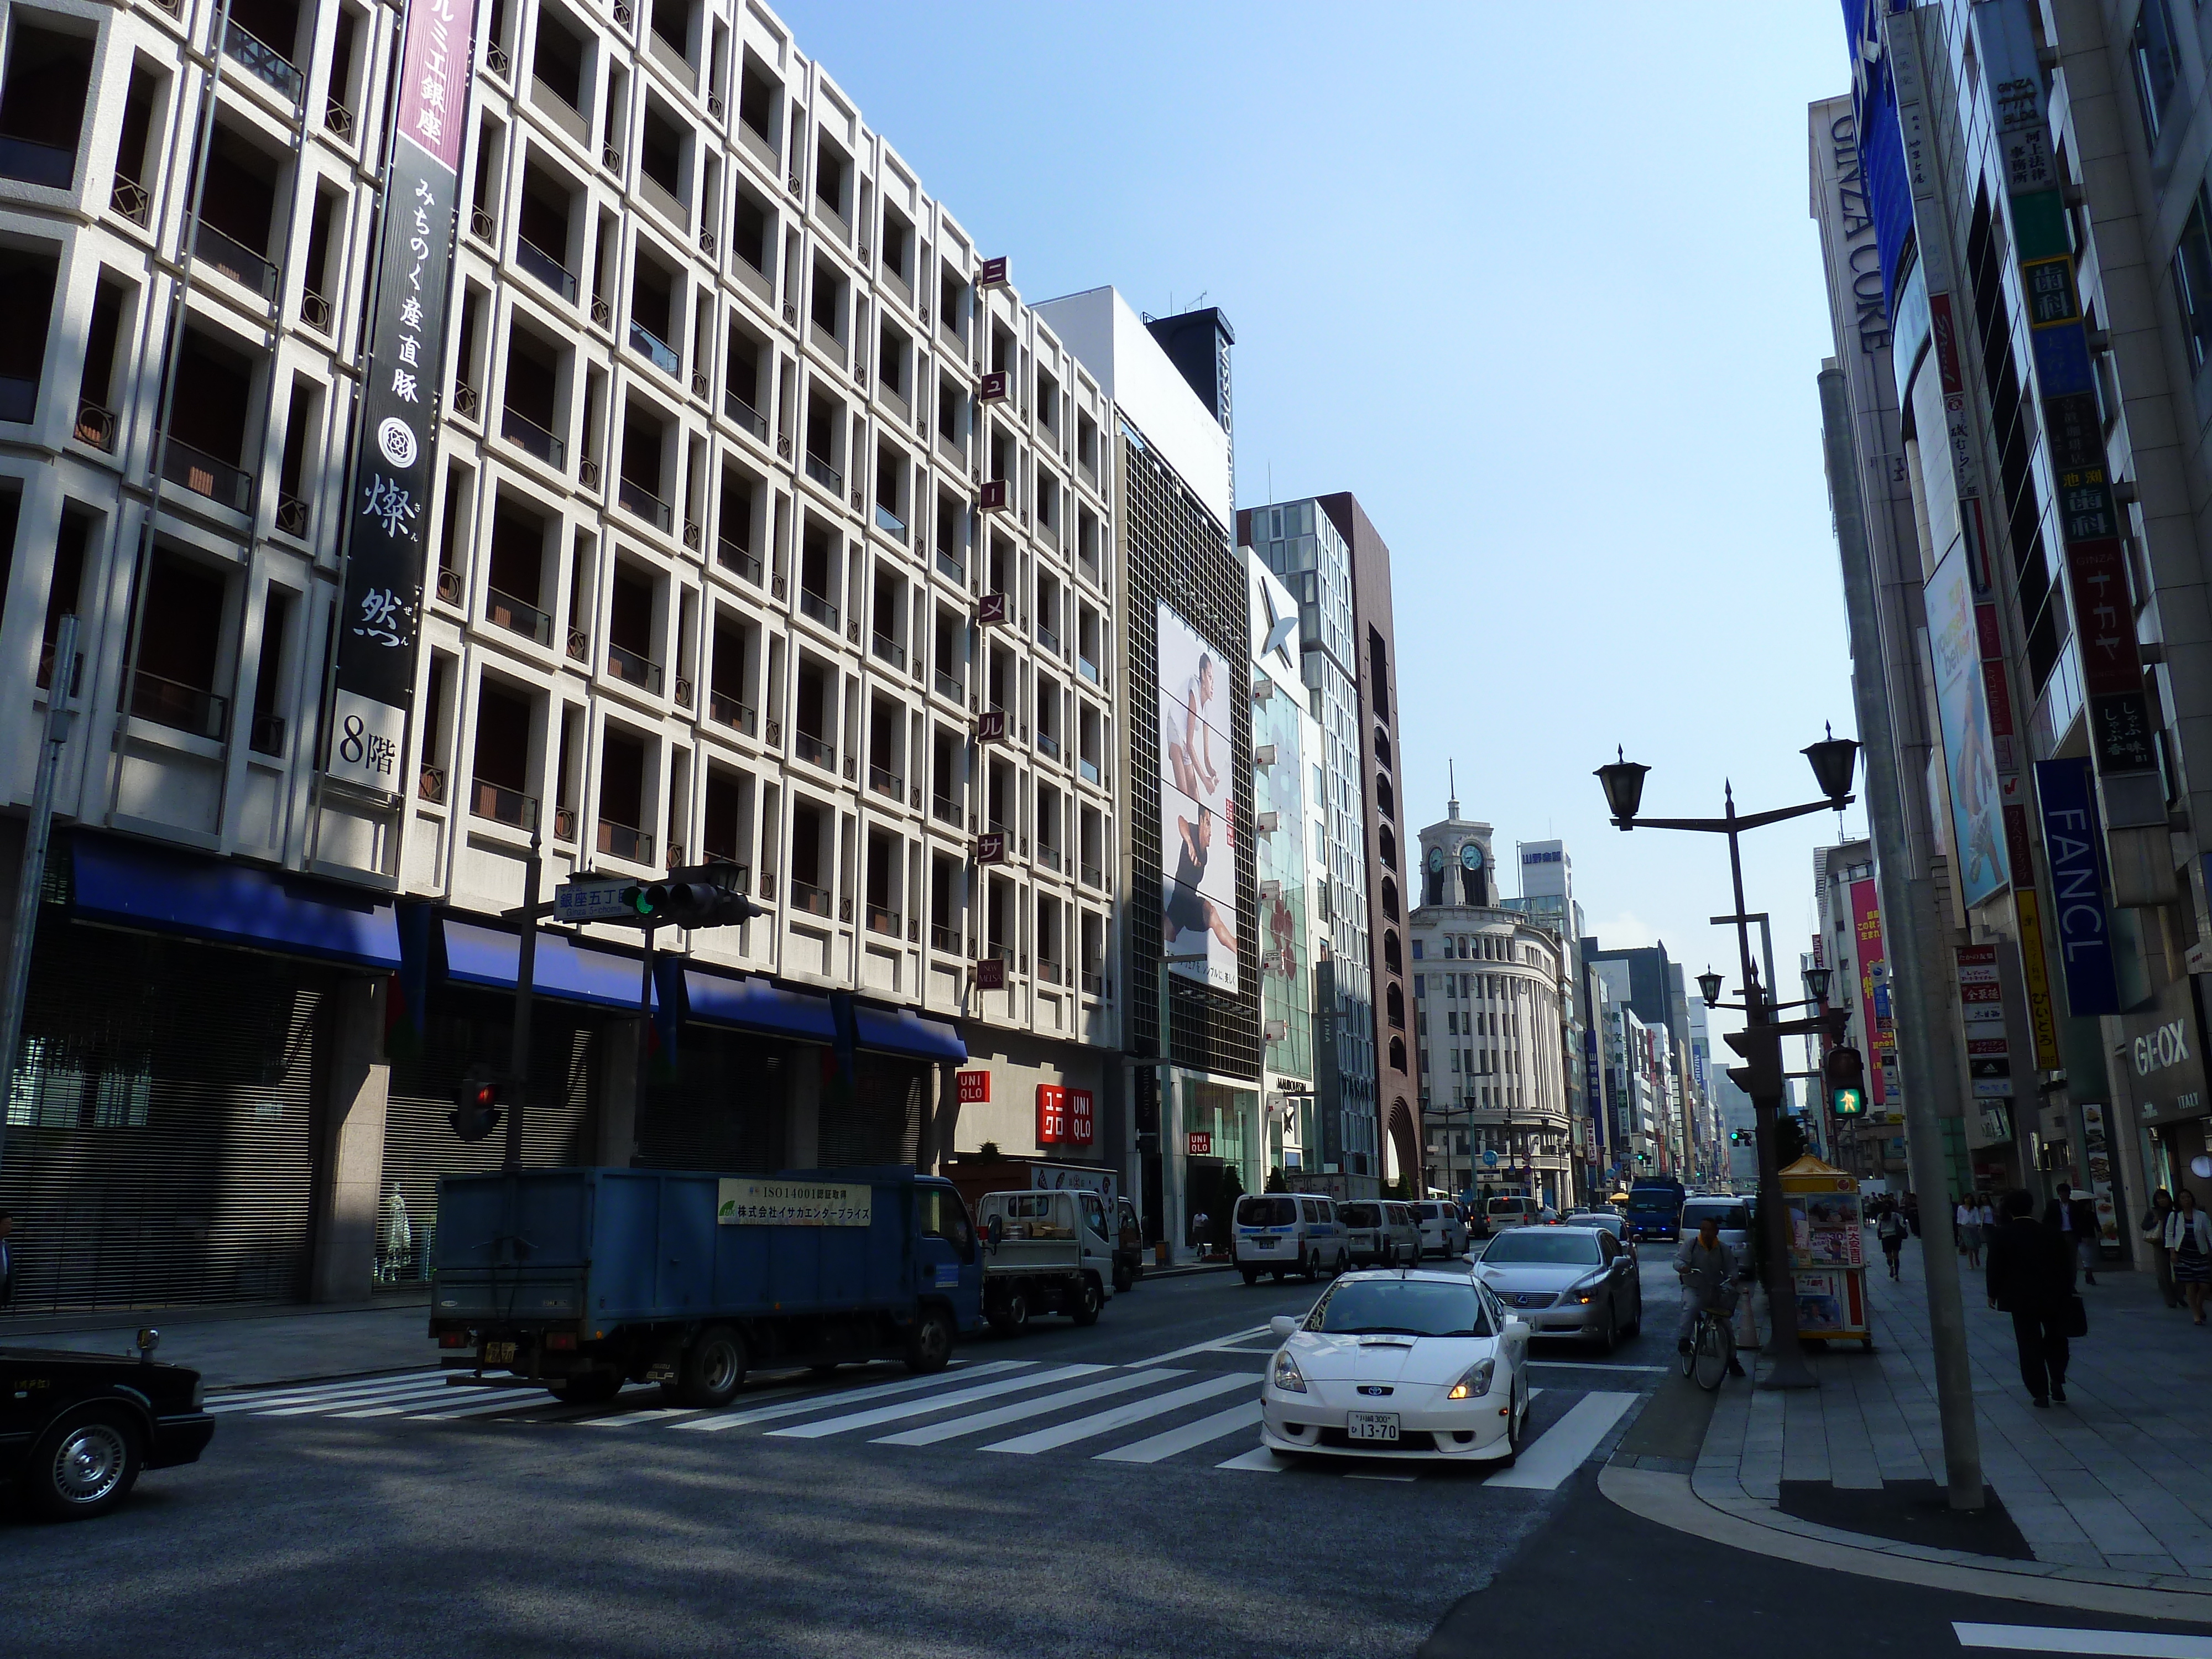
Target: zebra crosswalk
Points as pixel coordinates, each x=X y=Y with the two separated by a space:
x=1150 y=1413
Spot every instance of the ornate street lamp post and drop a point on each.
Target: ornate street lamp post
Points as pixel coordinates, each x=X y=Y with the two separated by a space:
x=1834 y=761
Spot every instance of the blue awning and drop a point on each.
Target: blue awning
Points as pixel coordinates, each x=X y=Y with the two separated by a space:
x=896 y=1031
x=163 y=891
x=754 y=1004
x=486 y=956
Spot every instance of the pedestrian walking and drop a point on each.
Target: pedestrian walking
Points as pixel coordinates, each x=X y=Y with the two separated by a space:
x=1891 y=1230
x=2075 y=1220
x=2030 y=1277
x=2189 y=1236
x=2152 y=1228
x=1967 y=1219
x=1912 y=1212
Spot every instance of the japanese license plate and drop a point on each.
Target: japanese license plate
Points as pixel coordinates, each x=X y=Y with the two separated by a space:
x=1370 y=1425
x=498 y=1353
x=1266 y=1243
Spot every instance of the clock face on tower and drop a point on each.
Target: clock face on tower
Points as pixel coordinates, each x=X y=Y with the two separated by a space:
x=1470 y=856
x=1435 y=859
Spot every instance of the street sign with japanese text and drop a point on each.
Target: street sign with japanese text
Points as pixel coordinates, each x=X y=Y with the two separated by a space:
x=591 y=901
x=386 y=525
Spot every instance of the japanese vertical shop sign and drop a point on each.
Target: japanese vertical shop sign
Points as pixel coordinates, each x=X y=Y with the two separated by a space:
x=2074 y=843
x=1873 y=975
x=387 y=518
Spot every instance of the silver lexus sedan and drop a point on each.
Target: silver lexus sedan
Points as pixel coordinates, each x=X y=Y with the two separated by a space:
x=1566 y=1281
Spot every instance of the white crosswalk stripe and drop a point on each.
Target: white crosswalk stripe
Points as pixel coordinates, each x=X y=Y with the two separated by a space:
x=844 y=1396
x=413 y=1393
x=936 y=1402
x=1189 y=1437
x=1559 y=1451
x=1105 y=1422
x=975 y=1424
x=296 y=1393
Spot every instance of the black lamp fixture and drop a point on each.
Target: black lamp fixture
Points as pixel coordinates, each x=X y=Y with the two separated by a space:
x=1816 y=982
x=1834 y=761
x=1709 y=987
x=1623 y=783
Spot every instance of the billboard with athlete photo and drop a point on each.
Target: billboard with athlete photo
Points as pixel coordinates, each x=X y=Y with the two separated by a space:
x=1198 y=886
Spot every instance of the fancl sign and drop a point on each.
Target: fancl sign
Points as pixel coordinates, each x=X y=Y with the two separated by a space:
x=2082 y=925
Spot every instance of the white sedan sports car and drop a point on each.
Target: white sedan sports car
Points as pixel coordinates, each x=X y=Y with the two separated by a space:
x=1403 y=1364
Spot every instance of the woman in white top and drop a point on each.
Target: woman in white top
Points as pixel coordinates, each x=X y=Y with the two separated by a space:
x=1967 y=1219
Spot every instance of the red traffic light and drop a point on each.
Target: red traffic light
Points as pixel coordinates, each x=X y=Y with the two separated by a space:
x=477 y=1108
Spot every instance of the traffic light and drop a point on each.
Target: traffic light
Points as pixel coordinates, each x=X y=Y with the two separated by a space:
x=696 y=896
x=477 y=1108
x=1845 y=1074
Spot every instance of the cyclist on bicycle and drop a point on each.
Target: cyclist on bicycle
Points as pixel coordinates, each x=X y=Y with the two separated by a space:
x=1706 y=1267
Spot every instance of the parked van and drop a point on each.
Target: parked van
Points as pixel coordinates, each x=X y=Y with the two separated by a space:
x=1379 y=1232
x=1443 y=1232
x=1289 y=1233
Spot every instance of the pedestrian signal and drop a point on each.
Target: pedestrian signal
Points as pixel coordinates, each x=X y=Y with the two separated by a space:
x=1846 y=1073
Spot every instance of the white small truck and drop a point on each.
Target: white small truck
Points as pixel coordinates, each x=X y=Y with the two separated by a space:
x=1044 y=1252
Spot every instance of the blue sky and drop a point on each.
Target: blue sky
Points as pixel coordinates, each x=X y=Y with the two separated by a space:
x=1538 y=284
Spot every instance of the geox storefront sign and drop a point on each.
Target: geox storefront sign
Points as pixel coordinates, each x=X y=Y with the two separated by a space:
x=380 y=621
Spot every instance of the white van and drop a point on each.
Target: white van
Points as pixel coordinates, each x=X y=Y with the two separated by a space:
x=1379 y=1232
x=1444 y=1230
x=1289 y=1233
x=1503 y=1213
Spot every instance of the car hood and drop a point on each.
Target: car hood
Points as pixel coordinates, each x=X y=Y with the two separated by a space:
x=1533 y=1275
x=1437 y=1359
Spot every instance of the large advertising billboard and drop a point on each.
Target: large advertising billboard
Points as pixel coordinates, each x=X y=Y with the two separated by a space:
x=1198 y=857
x=1962 y=705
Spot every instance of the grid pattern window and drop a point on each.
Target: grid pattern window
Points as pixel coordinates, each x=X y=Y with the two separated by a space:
x=2192 y=278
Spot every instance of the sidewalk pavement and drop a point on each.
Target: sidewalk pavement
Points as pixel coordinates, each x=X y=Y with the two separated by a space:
x=2112 y=1490
x=237 y=1347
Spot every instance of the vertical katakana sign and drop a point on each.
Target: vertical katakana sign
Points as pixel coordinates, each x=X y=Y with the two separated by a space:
x=386 y=521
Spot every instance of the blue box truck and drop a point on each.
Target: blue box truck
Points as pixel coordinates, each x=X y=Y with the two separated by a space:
x=584 y=1280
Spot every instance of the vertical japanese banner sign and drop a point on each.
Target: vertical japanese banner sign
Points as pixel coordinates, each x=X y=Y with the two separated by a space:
x=381 y=612
x=2072 y=840
x=1872 y=959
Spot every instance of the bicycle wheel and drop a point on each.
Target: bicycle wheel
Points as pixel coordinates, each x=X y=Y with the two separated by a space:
x=1711 y=1351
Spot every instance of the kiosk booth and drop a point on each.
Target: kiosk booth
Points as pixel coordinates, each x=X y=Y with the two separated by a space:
x=1827 y=1250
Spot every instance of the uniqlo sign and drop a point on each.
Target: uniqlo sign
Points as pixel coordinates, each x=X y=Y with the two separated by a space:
x=1063 y=1116
x=974 y=1088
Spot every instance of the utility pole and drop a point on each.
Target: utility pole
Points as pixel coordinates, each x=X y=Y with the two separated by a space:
x=525 y=989
x=1907 y=896
x=33 y=876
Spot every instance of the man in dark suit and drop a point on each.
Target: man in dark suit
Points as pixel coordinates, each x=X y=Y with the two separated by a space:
x=2030 y=1277
x=7 y=1259
x=2074 y=1220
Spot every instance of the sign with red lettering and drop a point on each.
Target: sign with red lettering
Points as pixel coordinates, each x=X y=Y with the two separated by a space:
x=1200 y=1143
x=974 y=1088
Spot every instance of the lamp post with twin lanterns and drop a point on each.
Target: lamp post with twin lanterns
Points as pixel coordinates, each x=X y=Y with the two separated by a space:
x=1834 y=760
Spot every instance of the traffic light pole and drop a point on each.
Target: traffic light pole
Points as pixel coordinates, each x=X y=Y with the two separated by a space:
x=525 y=986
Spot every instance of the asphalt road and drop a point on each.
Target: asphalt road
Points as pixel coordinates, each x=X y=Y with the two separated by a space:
x=340 y=1521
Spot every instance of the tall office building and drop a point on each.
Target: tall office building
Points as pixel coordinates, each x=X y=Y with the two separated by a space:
x=669 y=541
x=1191 y=936
x=1300 y=543
x=2012 y=210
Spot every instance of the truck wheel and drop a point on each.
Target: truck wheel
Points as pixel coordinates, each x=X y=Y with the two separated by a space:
x=84 y=1467
x=929 y=1345
x=1012 y=1313
x=1089 y=1299
x=713 y=1369
x=1123 y=1278
x=1309 y=1266
x=1252 y=1275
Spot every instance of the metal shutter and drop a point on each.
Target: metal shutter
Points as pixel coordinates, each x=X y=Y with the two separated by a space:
x=159 y=1139
x=881 y=1123
x=724 y=1110
x=467 y=1028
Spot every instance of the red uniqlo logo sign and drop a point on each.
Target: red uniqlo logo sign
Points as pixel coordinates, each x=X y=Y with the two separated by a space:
x=974 y=1088
x=1052 y=1114
x=1200 y=1143
x=1080 y=1121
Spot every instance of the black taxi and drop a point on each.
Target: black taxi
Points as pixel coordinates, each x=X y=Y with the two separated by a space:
x=76 y=1429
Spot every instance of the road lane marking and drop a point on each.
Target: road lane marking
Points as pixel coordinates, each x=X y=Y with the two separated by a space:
x=2041 y=1638
x=830 y=1398
x=1593 y=1365
x=1187 y=1437
x=1259 y=1459
x=1212 y=1344
x=418 y=1391
x=930 y=1434
x=1559 y=1450
x=519 y=1399
x=623 y=1419
x=1087 y=1428
x=299 y=1391
x=878 y=1414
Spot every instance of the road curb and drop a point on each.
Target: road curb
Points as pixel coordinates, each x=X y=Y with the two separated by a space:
x=1670 y=1498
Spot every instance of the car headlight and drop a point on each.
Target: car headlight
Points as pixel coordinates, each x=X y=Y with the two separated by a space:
x=1474 y=1380
x=1288 y=1378
x=1588 y=1291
